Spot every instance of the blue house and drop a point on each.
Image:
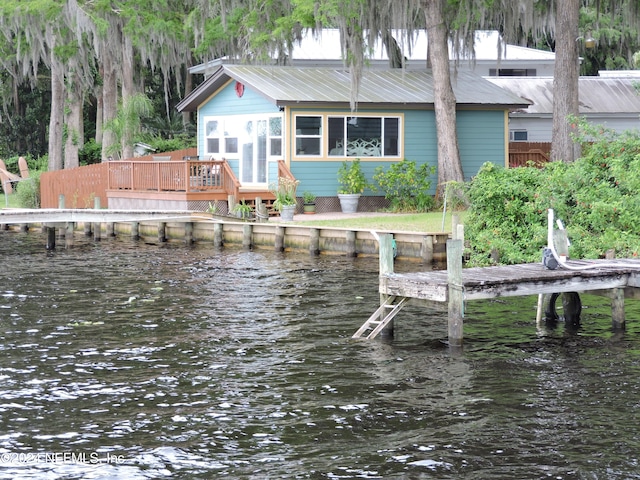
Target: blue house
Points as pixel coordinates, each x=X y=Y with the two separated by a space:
x=257 y=116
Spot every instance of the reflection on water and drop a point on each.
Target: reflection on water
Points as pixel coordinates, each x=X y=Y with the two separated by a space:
x=125 y=360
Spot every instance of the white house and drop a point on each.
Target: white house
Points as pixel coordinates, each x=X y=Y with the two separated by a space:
x=492 y=56
x=610 y=99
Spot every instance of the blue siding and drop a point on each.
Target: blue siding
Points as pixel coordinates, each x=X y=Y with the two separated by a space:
x=481 y=138
x=480 y=134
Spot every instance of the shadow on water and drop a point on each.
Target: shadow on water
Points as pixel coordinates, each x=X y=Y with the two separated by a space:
x=160 y=361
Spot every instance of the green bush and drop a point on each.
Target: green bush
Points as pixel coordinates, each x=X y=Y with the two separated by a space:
x=90 y=153
x=596 y=197
x=406 y=186
x=28 y=191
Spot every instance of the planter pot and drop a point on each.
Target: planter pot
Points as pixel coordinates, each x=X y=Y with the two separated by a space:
x=286 y=213
x=349 y=202
x=309 y=208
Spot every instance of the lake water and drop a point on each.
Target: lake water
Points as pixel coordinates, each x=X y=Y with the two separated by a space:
x=121 y=359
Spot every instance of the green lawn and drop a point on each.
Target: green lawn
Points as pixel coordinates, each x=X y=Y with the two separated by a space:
x=410 y=222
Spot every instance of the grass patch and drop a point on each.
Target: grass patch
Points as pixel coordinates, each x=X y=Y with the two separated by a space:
x=395 y=222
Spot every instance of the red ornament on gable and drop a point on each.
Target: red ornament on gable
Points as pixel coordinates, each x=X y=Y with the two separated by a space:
x=239 y=89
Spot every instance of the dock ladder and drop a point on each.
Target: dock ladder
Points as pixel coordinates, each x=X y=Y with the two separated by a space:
x=381 y=317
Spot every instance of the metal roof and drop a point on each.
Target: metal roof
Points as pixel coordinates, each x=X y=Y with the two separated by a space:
x=597 y=95
x=332 y=87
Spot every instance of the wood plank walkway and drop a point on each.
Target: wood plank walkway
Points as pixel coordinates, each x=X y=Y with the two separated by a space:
x=515 y=280
x=616 y=279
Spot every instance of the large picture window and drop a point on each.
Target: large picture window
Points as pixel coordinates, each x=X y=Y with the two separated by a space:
x=364 y=136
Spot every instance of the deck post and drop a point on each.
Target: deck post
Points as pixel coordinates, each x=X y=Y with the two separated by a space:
x=217 y=235
x=87 y=229
x=188 y=233
x=455 y=292
x=247 y=233
x=135 y=230
x=314 y=241
x=51 y=237
x=427 y=249
x=385 y=260
x=278 y=242
x=97 y=226
x=351 y=243
x=617 y=308
x=68 y=234
x=162 y=232
x=111 y=229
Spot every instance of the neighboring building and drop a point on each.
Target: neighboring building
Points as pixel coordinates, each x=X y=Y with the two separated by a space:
x=491 y=57
x=254 y=116
x=611 y=99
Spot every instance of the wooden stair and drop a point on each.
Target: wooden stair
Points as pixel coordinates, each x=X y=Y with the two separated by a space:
x=381 y=317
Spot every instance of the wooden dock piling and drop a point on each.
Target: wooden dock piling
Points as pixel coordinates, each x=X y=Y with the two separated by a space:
x=455 y=292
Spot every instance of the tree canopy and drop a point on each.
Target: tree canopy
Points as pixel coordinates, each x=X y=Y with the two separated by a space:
x=90 y=57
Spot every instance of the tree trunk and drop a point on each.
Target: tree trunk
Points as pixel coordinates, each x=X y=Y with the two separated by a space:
x=73 y=120
x=565 y=81
x=128 y=90
x=57 y=113
x=449 y=165
x=109 y=105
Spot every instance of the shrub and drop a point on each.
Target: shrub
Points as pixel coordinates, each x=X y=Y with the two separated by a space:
x=596 y=197
x=28 y=191
x=406 y=186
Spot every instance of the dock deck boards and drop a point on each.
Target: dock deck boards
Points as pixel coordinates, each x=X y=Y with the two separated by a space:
x=515 y=280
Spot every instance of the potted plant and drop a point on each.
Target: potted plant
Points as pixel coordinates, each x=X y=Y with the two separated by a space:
x=309 y=202
x=352 y=183
x=242 y=210
x=285 y=193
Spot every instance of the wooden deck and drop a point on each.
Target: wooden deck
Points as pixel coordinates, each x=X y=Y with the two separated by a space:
x=616 y=279
x=514 y=280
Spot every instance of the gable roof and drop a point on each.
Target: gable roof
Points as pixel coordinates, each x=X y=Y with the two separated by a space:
x=331 y=87
x=597 y=95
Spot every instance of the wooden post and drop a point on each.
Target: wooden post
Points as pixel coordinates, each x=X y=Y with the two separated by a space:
x=111 y=229
x=231 y=203
x=247 y=234
x=427 y=249
x=455 y=221
x=217 y=235
x=385 y=260
x=61 y=201
x=351 y=244
x=68 y=234
x=162 y=232
x=278 y=242
x=51 y=237
x=87 y=229
x=135 y=230
x=188 y=233
x=617 y=308
x=455 y=290
x=314 y=241
x=97 y=227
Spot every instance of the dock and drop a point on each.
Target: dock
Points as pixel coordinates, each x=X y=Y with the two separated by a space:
x=616 y=279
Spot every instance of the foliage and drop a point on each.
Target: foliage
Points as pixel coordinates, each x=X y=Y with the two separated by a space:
x=127 y=122
x=406 y=186
x=91 y=152
x=596 y=198
x=308 y=197
x=351 y=177
x=285 y=192
x=242 y=209
x=28 y=191
x=178 y=142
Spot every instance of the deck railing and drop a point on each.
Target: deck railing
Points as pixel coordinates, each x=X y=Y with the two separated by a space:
x=173 y=176
x=522 y=154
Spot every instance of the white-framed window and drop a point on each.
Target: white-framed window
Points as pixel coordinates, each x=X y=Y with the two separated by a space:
x=518 y=136
x=364 y=136
x=251 y=139
x=308 y=130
